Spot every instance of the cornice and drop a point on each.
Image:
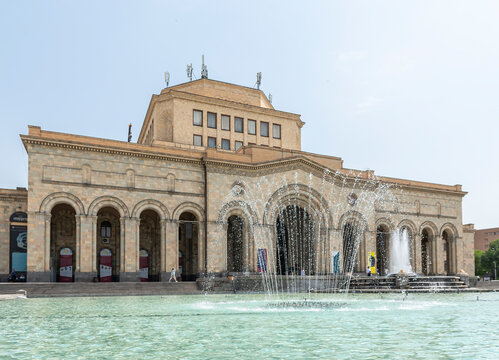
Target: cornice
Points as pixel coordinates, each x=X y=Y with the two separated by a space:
x=242 y=168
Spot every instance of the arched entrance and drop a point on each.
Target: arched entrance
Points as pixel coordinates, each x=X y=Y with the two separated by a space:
x=295 y=241
x=188 y=231
x=235 y=244
x=150 y=241
x=382 y=250
x=426 y=251
x=62 y=237
x=108 y=237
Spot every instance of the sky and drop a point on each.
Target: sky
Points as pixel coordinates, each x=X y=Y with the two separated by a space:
x=405 y=88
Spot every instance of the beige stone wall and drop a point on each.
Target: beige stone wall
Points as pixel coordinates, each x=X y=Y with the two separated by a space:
x=11 y=201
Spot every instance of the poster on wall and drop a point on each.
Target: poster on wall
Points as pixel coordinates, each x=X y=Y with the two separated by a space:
x=371 y=261
x=262 y=260
x=66 y=265
x=335 y=262
x=144 y=265
x=106 y=265
x=18 y=242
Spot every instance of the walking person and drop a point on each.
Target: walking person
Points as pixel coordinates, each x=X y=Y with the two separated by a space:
x=172 y=276
x=368 y=270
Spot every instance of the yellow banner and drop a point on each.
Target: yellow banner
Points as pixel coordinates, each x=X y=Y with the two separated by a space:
x=371 y=262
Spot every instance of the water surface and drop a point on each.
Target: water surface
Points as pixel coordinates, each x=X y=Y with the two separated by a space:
x=421 y=326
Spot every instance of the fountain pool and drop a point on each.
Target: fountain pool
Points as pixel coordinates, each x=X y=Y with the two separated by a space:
x=245 y=327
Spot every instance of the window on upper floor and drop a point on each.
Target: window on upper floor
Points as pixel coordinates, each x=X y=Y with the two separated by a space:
x=264 y=129
x=252 y=127
x=197 y=116
x=238 y=125
x=212 y=142
x=198 y=140
x=105 y=230
x=225 y=122
x=225 y=144
x=276 y=131
x=238 y=144
x=212 y=120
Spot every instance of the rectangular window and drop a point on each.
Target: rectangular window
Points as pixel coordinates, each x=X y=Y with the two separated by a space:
x=264 y=129
x=276 y=131
x=225 y=122
x=198 y=140
x=252 y=127
x=198 y=117
x=251 y=144
x=238 y=125
x=225 y=144
x=212 y=142
x=238 y=144
x=212 y=120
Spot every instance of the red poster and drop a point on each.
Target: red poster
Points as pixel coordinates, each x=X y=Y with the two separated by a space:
x=144 y=265
x=66 y=265
x=106 y=265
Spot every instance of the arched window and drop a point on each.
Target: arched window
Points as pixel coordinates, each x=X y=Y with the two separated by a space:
x=105 y=229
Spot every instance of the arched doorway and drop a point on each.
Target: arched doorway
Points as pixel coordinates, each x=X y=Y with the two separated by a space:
x=447 y=240
x=382 y=250
x=235 y=244
x=150 y=241
x=295 y=241
x=108 y=237
x=188 y=262
x=62 y=240
x=426 y=252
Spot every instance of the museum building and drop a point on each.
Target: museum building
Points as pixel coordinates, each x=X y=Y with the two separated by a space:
x=218 y=184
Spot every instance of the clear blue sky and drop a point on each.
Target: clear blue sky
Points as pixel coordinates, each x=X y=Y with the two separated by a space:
x=407 y=88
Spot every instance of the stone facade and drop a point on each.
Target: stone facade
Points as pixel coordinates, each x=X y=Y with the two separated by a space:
x=173 y=198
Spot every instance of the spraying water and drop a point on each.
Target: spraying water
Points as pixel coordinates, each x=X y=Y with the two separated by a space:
x=400 y=252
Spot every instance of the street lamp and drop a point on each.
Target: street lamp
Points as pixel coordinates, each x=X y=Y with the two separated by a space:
x=495 y=271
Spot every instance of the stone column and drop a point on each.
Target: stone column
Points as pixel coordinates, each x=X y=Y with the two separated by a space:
x=438 y=261
x=171 y=252
x=47 y=242
x=78 y=244
x=417 y=258
x=93 y=219
x=131 y=245
x=201 y=247
x=86 y=230
x=163 y=274
x=38 y=266
x=122 y=244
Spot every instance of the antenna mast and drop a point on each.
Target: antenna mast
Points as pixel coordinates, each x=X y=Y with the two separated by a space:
x=258 y=80
x=189 y=71
x=167 y=78
x=204 y=70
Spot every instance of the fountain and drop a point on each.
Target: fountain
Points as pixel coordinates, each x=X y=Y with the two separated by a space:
x=294 y=260
x=400 y=252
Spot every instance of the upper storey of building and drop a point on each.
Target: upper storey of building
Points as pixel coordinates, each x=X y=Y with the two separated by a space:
x=207 y=113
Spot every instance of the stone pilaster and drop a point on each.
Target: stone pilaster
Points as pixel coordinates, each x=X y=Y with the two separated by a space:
x=38 y=233
x=416 y=257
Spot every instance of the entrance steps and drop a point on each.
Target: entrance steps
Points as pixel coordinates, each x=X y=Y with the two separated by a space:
x=100 y=289
x=436 y=283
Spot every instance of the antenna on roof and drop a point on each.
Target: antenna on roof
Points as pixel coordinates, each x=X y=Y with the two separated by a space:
x=204 y=70
x=167 y=78
x=129 y=132
x=258 y=80
x=189 y=71
x=270 y=98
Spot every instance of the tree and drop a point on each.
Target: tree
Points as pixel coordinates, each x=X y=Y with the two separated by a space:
x=479 y=270
x=490 y=256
